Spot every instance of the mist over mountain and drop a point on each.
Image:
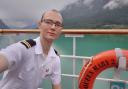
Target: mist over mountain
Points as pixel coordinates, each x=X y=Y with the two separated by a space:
x=3 y=25
x=94 y=15
x=32 y=26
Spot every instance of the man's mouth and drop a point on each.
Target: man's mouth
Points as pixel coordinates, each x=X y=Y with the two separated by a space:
x=51 y=33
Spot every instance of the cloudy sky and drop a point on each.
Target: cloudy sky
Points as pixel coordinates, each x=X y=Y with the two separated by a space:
x=15 y=9
x=112 y=4
x=28 y=9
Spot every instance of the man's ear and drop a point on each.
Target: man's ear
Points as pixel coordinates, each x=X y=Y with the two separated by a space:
x=39 y=24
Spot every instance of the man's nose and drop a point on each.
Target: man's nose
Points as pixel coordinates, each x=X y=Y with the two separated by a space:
x=53 y=26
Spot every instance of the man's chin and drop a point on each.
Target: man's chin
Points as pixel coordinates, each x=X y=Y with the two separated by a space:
x=51 y=38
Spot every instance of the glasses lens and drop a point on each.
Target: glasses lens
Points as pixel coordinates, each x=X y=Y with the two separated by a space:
x=51 y=22
x=47 y=21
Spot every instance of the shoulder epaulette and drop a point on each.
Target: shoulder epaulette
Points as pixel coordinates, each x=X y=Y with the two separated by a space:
x=56 y=53
x=28 y=43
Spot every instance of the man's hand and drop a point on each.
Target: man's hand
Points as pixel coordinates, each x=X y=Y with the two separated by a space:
x=3 y=63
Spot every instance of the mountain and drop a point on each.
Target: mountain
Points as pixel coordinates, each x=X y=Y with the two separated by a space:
x=80 y=15
x=3 y=25
x=32 y=26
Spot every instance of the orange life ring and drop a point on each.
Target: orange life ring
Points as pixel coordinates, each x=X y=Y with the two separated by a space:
x=95 y=66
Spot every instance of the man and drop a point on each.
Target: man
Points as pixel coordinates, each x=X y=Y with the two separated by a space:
x=29 y=61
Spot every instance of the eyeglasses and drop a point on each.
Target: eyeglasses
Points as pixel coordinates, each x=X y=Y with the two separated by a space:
x=51 y=22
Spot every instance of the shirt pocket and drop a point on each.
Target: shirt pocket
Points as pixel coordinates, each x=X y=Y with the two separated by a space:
x=46 y=72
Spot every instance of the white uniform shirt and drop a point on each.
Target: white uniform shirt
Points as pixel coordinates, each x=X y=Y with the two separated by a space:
x=27 y=67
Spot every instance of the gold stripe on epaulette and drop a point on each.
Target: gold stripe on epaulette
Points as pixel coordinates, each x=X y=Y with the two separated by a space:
x=26 y=43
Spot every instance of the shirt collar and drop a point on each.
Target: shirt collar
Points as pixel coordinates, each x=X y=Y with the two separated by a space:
x=52 y=52
x=38 y=48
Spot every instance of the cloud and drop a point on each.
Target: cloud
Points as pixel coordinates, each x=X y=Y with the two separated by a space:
x=15 y=10
x=113 y=4
x=88 y=2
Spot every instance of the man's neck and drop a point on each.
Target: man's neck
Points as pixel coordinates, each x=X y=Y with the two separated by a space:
x=46 y=46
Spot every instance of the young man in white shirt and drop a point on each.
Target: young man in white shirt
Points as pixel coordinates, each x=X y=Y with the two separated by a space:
x=27 y=62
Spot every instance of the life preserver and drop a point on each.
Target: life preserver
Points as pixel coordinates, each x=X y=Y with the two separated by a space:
x=95 y=66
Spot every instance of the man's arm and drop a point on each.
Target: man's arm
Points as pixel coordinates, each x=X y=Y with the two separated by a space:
x=3 y=63
x=57 y=86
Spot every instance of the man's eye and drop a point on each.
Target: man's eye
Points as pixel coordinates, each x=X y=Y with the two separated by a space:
x=51 y=22
x=58 y=24
x=48 y=22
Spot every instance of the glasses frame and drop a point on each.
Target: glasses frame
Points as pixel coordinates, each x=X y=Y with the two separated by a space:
x=51 y=23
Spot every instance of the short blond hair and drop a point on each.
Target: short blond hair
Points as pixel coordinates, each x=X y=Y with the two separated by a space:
x=53 y=10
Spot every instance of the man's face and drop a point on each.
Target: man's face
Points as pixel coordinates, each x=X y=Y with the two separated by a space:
x=51 y=25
